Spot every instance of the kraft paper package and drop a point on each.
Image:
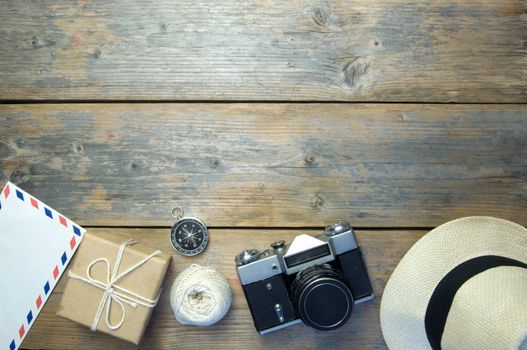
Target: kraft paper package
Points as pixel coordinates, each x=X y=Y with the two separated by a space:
x=85 y=290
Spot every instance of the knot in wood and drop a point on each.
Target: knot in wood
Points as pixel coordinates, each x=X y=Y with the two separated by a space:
x=214 y=163
x=38 y=43
x=78 y=148
x=355 y=72
x=17 y=177
x=309 y=158
x=321 y=17
x=317 y=201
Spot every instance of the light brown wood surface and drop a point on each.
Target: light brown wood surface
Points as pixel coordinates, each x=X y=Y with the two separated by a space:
x=435 y=51
x=262 y=165
x=382 y=251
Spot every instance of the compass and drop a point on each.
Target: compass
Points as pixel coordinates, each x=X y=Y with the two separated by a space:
x=189 y=236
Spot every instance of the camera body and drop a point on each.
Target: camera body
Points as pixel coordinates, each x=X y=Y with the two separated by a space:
x=316 y=280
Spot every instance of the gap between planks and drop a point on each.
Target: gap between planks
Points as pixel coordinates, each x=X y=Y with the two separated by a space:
x=182 y=101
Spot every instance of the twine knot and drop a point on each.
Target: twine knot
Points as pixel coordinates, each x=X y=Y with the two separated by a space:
x=113 y=292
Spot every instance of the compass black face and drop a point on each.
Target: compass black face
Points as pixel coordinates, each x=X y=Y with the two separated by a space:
x=189 y=236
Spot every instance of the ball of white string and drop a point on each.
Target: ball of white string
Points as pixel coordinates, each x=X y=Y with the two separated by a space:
x=200 y=296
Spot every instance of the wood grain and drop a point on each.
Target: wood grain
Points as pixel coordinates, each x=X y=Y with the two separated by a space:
x=382 y=250
x=356 y=50
x=262 y=165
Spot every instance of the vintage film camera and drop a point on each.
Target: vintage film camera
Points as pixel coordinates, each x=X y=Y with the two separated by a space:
x=315 y=279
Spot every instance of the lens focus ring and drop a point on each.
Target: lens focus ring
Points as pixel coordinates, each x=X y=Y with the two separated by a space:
x=322 y=298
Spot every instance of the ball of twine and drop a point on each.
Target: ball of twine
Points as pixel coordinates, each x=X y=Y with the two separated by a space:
x=200 y=296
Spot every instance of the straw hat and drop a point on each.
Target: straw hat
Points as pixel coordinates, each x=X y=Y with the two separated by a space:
x=461 y=286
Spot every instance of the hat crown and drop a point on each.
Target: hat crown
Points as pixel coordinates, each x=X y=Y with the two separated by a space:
x=485 y=309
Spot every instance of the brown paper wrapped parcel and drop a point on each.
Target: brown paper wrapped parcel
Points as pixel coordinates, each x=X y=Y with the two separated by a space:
x=113 y=286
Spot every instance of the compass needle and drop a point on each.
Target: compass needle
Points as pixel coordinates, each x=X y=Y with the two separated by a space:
x=189 y=236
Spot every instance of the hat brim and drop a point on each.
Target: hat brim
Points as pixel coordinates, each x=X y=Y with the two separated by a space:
x=408 y=291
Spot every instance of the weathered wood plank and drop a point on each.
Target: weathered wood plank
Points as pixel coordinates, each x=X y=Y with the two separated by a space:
x=280 y=165
x=351 y=50
x=382 y=249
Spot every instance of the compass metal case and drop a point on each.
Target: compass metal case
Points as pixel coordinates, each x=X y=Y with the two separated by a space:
x=189 y=236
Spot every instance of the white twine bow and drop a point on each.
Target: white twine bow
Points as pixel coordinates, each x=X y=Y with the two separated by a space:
x=113 y=291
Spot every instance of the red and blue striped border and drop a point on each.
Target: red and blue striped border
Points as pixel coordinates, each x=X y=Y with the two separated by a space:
x=76 y=234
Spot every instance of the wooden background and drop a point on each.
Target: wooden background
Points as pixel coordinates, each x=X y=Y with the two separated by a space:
x=266 y=119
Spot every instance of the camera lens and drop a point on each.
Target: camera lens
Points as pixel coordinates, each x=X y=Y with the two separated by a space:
x=322 y=297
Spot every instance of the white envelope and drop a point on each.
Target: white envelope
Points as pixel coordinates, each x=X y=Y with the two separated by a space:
x=36 y=244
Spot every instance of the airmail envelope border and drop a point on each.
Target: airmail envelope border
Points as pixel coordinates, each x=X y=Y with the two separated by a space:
x=13 y=195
